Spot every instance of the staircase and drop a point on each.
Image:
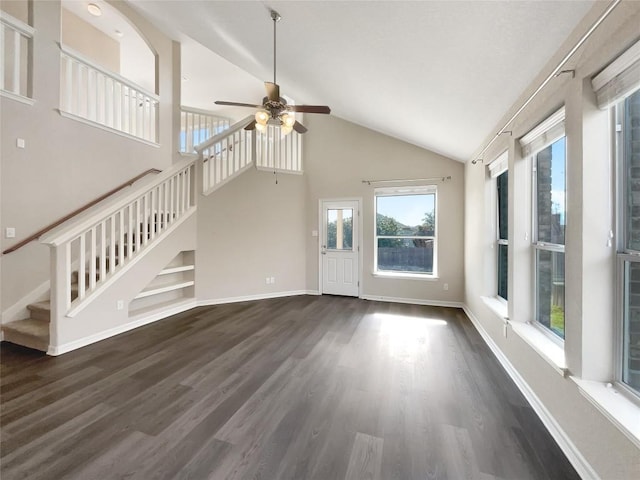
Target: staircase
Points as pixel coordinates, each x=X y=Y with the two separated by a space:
x=33 y=332
x=96 y=260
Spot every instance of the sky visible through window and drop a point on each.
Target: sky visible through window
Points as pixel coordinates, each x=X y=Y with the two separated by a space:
x=409 y=210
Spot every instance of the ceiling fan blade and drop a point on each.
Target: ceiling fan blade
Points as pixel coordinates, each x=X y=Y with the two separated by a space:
x=300 y=128
x=309 y=108
x=273 y=91
x=236 y=104
x=251 y=126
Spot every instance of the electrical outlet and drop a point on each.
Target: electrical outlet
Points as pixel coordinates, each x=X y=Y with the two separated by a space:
x=20 y=143
x=445 y=286
x=273 y=279
x=120 y=304
x=9 y=232
x=267 y=280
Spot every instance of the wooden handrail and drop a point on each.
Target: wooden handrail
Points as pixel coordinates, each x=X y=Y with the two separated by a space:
x=41 y=232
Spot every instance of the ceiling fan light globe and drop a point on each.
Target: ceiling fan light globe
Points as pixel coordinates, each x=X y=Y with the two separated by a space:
x=262 y=117
x=288 y=120
x=260 y=127
x=286 y=130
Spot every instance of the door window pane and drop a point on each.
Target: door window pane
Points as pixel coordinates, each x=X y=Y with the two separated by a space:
x=550 y=193
x=550 y=290
x=339 y=229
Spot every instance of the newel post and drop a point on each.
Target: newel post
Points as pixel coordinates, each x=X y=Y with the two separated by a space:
x=60 y=258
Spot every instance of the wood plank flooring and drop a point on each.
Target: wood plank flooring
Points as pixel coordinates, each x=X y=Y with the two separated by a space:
x=294 y=388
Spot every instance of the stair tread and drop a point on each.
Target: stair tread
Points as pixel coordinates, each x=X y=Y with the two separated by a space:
x=29 y=326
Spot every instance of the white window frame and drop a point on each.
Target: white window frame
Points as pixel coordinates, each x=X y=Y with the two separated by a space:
x=496 y=168
x=624 y=255
x=546 y=133
x=399 y=191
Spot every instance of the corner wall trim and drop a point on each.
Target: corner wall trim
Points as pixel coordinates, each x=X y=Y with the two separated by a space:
x=413 y=301
x=180 y=307
x=584 y=469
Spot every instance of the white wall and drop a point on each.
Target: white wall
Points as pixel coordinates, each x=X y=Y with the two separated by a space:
x=89 y=41
x=65 y=163
x=337 y=156
x=589 y=261
x=249 y=229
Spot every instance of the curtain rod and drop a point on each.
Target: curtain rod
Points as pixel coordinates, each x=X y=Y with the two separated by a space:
x=432 y=179
x=555 y=73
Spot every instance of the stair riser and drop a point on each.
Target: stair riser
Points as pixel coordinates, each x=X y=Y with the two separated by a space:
x=39 y=313
x=29 y=341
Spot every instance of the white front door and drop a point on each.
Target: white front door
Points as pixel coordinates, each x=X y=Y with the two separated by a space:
x=339 y=248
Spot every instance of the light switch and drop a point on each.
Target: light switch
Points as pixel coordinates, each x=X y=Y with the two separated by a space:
x=20 y=143
x=10 y=232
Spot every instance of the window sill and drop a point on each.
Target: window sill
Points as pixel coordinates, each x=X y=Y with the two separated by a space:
x=544 y=346
x=621 y=411
x=406 y=276
x=498 y=307
x=17 y=97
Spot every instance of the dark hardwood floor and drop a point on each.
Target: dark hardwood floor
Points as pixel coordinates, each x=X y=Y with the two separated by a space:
x=294 y=388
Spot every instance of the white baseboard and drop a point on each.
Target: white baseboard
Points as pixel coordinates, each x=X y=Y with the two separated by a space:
x=584 y=469
x=413 y=301
x=259 y=296
x=18 y=310
x=178 y=307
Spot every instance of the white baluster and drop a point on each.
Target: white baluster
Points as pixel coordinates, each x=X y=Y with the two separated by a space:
x=2 y=54
x=112 y=243
x=92 y=259
x=82 y=268
x=16 y=62
x=103 y=250
x=121 y=246
x=171 y=200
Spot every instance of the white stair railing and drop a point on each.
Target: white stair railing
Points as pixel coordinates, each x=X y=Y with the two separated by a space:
x=15 y=38
x=91 y=93
x=226 y=155
x=98 y=246
x=278 y=153
x=196 y=126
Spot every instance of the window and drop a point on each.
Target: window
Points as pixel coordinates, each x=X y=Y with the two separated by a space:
x=550 y=221
x=500 y=178
x=628 y=252
x=406 y=230
x=502 y=244
x=618 y=86
x=546 y=146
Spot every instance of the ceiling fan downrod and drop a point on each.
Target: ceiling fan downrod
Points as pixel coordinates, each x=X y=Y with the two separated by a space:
x=275 y=16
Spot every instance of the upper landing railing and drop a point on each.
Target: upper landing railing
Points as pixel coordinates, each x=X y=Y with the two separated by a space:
x=231 y=152
x=92 y=93
x=15 y=43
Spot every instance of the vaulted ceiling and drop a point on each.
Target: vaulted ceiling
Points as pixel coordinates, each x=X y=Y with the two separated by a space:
x=437 y=74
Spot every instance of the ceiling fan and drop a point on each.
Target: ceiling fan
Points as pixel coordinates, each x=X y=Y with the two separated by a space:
x=274 y=109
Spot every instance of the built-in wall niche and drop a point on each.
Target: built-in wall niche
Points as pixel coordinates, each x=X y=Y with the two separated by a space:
x=174 y=284
x=109 y=41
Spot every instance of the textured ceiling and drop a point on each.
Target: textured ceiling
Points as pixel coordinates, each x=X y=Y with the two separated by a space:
x=437 y=74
